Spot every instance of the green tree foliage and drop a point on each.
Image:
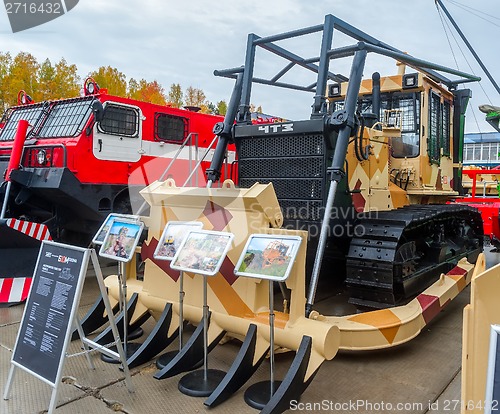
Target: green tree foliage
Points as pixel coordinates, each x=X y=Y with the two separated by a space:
x=221 y=108
x=211 y=108
x=47 y=76
x=59 y=81
x=111 y=79
x=175 y=95
x=67 y=82
x=133 y=87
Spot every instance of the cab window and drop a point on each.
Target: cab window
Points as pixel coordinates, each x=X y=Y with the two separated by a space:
x=120 y=120
x=170 y=128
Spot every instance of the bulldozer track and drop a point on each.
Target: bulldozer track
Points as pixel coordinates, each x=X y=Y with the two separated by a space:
x=396 y=254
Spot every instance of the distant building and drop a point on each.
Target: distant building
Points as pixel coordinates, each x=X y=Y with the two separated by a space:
x=482 y=149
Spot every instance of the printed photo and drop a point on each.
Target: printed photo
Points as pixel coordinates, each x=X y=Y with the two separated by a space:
x=172 y=237
x=202 y=252
x=101 y=233
x=121 y=240
x=268 y=256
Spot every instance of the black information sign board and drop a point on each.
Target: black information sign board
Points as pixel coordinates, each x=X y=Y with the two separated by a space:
x=50 y=310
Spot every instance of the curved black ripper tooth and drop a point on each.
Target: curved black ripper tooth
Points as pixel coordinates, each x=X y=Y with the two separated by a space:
x=106 y=336
x=293 y=385
x=137 y=323
x=190 y=355
x=241 y=370
x=94 y=318
x=157 y=340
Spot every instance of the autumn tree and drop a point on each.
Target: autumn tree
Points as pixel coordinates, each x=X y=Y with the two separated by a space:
x=5 y=62
x=49 y=81
x=254 y=108
x=175 y=95
x=67 y=80
x=47 y=76
x=23 y=74
x=59 y=81
x=147 y=91
x=133 y=87
x=196 y=97
x=111 y=79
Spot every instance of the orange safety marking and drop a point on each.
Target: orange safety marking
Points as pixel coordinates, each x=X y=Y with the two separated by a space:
x=234 y=305
x=385 y=320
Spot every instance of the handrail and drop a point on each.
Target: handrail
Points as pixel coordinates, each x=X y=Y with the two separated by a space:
x=192 y=170
x=198 y=164
x=181 y=147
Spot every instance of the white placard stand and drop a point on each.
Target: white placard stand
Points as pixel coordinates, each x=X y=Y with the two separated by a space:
x=202 y=252
x=119 y=245
x=269 y=257
x=173 y=235
x=88 y=344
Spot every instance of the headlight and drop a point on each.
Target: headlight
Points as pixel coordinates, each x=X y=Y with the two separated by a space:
x=41 y=157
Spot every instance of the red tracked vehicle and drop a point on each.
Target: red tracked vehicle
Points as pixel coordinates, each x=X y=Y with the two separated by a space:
x=80 y=158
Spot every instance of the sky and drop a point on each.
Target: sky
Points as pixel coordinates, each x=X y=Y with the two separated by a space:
x=185 y=41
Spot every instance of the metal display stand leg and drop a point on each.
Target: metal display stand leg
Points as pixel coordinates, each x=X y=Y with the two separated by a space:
x=164 y=359
x=116 y=336
x=259 y=394
x=128 y=347
x=203 y=382
x=10 y=378
x=86 y=348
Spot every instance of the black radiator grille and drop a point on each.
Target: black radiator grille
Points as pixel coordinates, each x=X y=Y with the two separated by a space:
x=279 y=145
x=283 y=167
x=305 y=189
x=295 y=164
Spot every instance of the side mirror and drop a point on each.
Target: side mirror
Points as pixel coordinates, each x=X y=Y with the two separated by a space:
x=97 y=110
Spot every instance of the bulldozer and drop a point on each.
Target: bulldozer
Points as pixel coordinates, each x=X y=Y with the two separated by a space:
x=274 y=253
x=363 y=182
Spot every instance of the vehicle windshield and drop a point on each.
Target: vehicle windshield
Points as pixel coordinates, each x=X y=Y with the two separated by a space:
x=65 y=118
x=408 y=145
x=30 y=113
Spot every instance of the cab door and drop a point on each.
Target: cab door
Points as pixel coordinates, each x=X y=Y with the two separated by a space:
x=118 y=136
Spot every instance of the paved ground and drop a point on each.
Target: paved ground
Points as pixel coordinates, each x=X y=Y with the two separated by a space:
x=419 y=377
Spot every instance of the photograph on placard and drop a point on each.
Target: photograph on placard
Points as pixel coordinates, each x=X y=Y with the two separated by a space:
x=121 y=240
x=172 y=237
x=268 y=256
x=202 y=252
x=106 y=225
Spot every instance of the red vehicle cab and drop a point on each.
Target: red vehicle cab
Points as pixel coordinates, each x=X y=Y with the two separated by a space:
x=81 y=155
